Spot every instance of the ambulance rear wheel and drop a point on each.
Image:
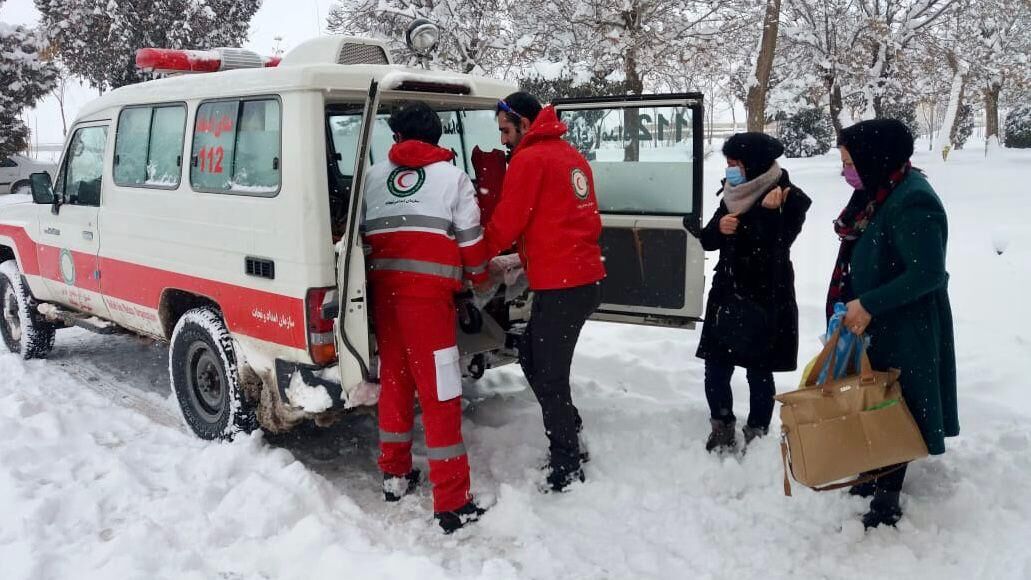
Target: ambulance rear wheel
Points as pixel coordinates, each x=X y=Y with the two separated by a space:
x=24 y=330
x=202 y=366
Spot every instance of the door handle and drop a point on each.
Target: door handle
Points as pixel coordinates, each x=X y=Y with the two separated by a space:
x=87 y=235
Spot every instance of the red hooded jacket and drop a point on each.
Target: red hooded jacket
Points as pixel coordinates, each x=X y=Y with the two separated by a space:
x=548 y=205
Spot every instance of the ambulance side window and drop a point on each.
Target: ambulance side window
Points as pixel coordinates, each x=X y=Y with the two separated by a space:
x=149 y=146
x=80 y=178
x=256 y=166
x=236 y=147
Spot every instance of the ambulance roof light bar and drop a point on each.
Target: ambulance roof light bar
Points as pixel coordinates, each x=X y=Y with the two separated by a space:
x=172 y=61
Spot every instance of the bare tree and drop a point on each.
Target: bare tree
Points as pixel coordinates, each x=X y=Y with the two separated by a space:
x=889 y=27
x=823 y=35
x=998 y=53
x=476 y=35
x=755 y=101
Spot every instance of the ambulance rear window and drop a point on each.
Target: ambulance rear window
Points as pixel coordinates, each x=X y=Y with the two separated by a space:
x=236 y=147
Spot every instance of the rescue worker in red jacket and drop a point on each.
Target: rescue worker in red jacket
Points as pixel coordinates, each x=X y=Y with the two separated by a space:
x=549 y=207
x=422 y=227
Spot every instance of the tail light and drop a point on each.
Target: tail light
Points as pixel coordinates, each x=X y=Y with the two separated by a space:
x=321 y=341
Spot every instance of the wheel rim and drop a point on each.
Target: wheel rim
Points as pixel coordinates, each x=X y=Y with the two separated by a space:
x=12 y=314
x=204 y=378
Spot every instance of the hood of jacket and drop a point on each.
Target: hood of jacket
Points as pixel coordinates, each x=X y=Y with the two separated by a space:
x=415 y=154
x=546 y=126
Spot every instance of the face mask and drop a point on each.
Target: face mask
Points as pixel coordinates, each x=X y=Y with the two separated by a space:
x=735 y=176
x=852 y=177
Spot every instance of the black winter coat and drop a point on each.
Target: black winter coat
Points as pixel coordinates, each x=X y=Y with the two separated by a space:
x=757 y=261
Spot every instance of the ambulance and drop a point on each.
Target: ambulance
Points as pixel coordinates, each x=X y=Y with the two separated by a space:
x=218 y=209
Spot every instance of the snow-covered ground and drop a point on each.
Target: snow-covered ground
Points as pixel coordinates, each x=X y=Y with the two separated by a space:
x=99 y=480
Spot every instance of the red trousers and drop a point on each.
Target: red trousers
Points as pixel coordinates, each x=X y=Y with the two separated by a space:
x=419 y=354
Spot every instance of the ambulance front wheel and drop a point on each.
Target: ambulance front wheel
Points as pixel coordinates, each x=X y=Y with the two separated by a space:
x=24 y=330
x=202 y=365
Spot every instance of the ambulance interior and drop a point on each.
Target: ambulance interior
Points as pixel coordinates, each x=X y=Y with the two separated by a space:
x=472 y=134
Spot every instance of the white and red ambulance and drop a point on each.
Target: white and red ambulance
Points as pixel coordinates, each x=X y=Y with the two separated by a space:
x=219 y=211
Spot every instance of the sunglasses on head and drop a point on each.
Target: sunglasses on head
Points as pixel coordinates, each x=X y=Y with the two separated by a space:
x=503 y=106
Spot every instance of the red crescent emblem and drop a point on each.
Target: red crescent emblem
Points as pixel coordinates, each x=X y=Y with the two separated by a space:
x=401 y=180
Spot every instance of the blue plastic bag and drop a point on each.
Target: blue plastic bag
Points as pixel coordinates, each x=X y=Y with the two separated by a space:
x=849 y=353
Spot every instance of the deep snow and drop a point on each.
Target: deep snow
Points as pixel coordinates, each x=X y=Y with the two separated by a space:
x=98 y=479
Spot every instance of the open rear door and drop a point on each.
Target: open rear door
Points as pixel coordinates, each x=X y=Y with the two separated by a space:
x=646 y=155
x=352 y=326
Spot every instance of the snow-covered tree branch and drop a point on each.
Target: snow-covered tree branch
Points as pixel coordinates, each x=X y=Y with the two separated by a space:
x=98 y=39
x=25 y=77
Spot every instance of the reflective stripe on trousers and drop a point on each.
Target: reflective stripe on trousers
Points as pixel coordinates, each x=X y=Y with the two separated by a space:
x=388 y=437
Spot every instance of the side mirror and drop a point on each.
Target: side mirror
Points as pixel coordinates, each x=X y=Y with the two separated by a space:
x=42 y=188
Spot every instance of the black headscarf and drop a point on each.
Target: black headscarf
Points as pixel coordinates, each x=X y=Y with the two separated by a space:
x=878 y=148
x=757 y=151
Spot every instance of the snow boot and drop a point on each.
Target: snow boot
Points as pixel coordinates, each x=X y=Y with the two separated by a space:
x=723 y=437
x=453 y=520
x=397 y=486
x=559 y=480
x=753 y=433
x=884 y=510
x=864 y=490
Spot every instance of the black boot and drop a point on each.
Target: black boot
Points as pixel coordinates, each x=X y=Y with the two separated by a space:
x=723 y=437
x=453 y=520
x=397 y=486
x=865 y=489
x=884 y=510
x=753 y=433
x=559 y=479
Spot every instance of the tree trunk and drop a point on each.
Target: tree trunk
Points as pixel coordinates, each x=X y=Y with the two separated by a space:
x=631 y=117
x=948 y=129
x=991 y=107
x=755 y=101
x=836 y=108
x=876 y=75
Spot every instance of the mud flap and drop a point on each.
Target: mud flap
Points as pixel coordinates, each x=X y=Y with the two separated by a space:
x=285 y=373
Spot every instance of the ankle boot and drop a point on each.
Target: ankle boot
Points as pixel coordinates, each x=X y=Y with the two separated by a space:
x=753 y=433
x=723 y=436
x=884 y=510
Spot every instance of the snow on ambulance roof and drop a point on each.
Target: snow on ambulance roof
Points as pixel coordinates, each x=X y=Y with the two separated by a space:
x=299 y=75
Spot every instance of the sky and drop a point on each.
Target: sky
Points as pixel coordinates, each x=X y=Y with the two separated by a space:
x=293 y=20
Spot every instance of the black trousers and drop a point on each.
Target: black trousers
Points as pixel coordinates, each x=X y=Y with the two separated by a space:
x=761 y=390
x=546 y=354
x=892 y=482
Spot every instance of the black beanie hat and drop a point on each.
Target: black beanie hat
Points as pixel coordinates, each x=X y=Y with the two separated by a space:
x=878 y=147
x=757 y=151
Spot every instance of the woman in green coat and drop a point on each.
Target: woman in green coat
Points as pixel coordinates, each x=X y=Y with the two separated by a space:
x=891 y=274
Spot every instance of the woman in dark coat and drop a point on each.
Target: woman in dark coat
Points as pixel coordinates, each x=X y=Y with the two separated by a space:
x=891 y=273
x=758 y=219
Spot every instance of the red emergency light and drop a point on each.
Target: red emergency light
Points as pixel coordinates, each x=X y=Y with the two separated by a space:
x=166 y=61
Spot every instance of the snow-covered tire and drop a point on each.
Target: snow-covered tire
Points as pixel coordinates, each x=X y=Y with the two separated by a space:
x=23 y=328
x=202 y=366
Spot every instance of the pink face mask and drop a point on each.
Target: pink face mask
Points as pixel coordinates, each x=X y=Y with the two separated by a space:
x=852 y=177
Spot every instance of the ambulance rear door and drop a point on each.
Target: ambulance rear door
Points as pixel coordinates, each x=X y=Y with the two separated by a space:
x=352 y=326
x=646 y=153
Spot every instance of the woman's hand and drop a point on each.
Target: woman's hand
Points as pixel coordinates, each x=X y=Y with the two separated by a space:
x=857 y=318
x=776 y=198
x=728 y=224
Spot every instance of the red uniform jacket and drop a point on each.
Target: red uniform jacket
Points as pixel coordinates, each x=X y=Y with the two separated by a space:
x=548 y=205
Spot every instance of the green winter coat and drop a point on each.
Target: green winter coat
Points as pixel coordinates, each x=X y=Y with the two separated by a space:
x=898 y=273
